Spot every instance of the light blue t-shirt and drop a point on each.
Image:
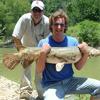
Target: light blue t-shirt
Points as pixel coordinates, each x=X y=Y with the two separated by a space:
x=50 y=75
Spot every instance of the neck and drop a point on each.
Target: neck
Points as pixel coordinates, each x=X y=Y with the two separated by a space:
x=37 y=22
x=58 y=38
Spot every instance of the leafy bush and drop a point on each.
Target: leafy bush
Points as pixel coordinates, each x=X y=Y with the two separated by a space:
x=90 y=33
x=73 y=30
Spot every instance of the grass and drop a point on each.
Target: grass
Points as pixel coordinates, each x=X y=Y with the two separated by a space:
x=91 y=69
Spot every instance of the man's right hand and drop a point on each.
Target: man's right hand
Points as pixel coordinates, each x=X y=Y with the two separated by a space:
x=46 y=49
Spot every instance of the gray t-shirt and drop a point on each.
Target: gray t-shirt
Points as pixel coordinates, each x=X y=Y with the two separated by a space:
x=28 y=33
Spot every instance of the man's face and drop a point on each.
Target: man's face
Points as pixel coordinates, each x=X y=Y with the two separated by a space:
x=37 y=14
x=58 y=26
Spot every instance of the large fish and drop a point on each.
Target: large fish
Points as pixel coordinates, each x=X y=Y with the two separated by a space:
x=57 y=55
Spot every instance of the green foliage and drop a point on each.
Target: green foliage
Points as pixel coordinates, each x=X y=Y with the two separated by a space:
x=77 y=10
x=73 y=30
x=10 y=11
x=52 y=5
x=90 y=33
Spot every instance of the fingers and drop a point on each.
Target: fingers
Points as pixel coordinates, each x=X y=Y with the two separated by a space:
x=83 y=48
x=46 y=48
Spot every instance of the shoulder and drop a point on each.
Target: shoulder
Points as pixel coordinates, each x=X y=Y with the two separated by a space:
x=45 y=19
x=26 y=16
x=72 y=40
x=43 y=41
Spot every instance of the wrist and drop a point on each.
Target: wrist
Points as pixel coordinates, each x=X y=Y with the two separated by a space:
x=45 y=51
x=42 y=52
x=20 y=48
x=86 y=55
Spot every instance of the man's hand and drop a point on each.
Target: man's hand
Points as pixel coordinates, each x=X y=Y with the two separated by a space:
x=83 y=48
x=42 y=58
x=46 y=49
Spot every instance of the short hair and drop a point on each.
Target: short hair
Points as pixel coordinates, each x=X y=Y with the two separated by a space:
x=58 y=14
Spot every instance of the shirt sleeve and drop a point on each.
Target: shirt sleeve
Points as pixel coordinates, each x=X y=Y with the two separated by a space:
x=40 y=43
x=47 y=30
x=43 y=42
x=19 y=28
x=46 y=26
x=76 y=42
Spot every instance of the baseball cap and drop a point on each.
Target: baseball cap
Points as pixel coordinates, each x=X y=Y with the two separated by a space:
x=37 y=3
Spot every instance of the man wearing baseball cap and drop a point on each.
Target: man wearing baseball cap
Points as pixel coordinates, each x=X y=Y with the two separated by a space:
x=38 y=4
x=30 y=28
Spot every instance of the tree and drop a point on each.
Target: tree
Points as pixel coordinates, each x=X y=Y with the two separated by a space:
x=10 y=11
x=77 y=10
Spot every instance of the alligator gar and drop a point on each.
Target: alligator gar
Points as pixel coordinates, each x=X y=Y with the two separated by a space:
x=57 y=55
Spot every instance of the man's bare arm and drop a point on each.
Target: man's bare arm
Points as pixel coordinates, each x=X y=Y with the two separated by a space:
x=85 y=54
x=18 y=44
x=42 y=58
